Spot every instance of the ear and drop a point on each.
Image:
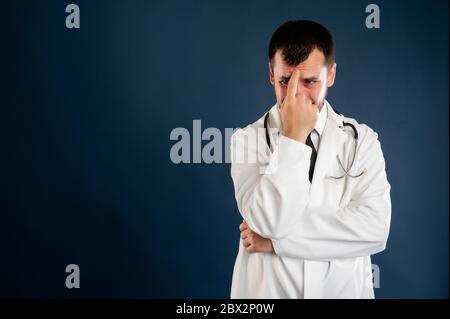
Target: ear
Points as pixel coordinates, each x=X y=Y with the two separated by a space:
x=271 y=76
x=331 y=76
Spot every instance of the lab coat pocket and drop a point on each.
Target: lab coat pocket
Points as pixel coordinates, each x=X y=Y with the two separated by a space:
x=335 y=191
x=342 y=278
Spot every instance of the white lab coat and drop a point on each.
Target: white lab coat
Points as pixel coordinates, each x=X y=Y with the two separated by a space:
x=323 y=232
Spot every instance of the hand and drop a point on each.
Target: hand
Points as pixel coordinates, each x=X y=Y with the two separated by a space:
x=298 y=113
x=253 y=242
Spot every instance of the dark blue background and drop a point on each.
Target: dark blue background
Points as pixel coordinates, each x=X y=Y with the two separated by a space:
x=86 y=176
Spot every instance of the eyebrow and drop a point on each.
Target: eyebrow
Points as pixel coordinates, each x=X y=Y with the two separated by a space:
x=311 y=78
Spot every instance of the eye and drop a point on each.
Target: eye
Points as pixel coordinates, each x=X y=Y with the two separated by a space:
x=284 y=83
x=309 y=82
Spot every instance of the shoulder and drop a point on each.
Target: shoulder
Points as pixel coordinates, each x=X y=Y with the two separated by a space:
x=365 y=132
x=368 y=139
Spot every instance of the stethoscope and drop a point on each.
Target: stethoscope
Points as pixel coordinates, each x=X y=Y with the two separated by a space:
x=346 y=171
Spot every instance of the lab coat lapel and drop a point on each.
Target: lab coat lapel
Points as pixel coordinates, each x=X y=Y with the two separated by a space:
x=331 y=141
x=275 y=124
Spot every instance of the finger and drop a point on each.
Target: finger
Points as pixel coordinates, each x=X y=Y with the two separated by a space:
x=292 y=86
x=282 y=103
x=245 y=233
x=243 y=226
x=251 y=249
x=305 y=98
x=246 y=243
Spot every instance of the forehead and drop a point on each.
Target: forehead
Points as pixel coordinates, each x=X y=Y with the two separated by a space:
x=314 y=63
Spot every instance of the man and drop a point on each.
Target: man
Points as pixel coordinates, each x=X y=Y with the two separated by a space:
x=316 y=202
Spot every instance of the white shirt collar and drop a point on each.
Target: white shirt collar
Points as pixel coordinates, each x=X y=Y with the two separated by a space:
x=320 y=124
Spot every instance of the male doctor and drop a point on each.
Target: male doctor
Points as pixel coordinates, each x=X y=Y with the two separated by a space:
x=316 y=201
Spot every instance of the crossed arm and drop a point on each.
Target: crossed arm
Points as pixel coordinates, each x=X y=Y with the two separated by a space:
x=277 y=218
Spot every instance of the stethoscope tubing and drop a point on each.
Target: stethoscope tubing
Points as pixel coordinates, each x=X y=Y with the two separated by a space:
x=346 y=171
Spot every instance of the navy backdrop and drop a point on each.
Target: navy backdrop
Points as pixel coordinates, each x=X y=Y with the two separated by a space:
x=86 y=115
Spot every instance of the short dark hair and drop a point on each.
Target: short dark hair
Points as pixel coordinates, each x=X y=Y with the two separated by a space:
x=298 y=38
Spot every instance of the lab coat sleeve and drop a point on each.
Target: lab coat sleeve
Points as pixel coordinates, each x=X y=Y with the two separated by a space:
x=360 y=228
x=270 y=188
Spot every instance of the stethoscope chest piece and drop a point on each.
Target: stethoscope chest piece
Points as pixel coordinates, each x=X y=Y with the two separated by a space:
x=346 y=171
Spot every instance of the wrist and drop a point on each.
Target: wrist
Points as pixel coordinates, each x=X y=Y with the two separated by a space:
x=300 y=137
x=268 y=247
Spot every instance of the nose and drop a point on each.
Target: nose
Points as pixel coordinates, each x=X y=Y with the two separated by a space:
x=301 y=89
